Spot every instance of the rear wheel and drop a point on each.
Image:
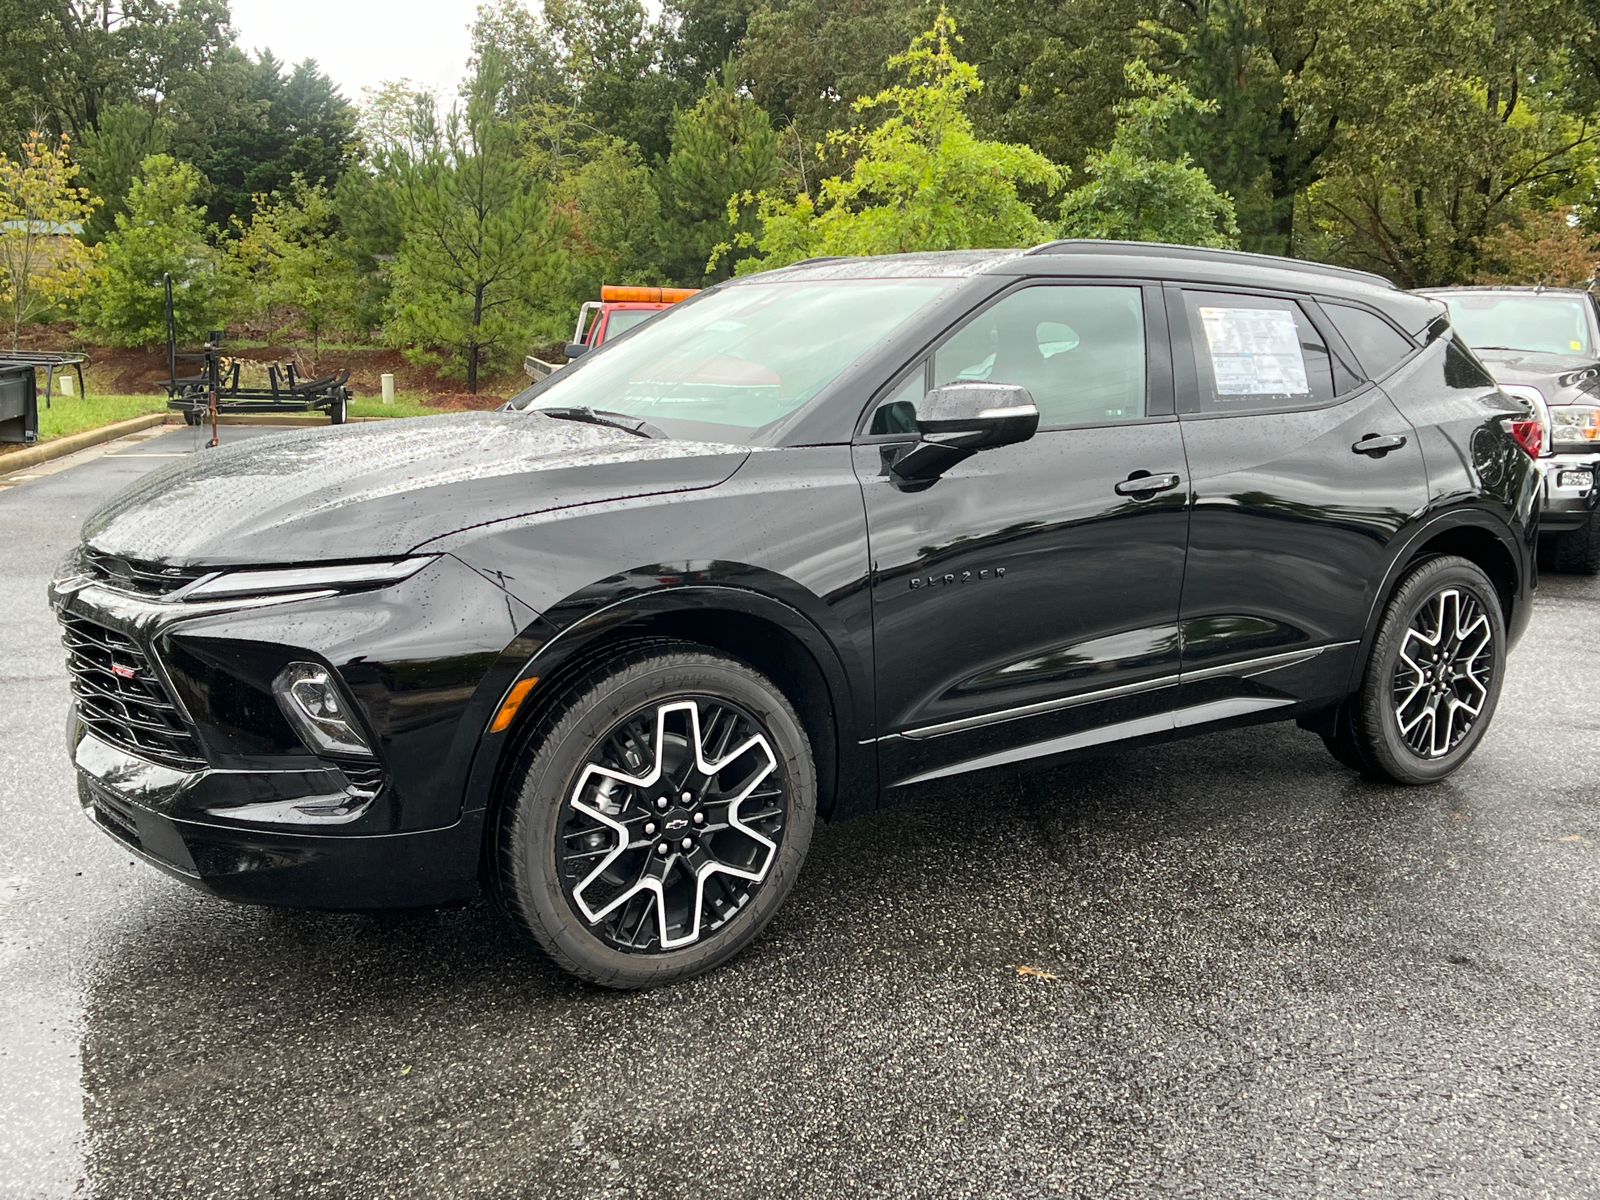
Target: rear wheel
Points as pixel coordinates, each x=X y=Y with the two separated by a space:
x=657 y=818
x=1577 y=551
x=1433 y=679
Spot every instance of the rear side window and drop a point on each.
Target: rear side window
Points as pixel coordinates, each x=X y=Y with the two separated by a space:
x=1377 y=345
x=1255 y=353
x=1079 y=349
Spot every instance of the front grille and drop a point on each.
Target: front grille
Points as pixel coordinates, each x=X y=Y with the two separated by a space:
x=366 y=779
x=131 y=575
x=121 y=699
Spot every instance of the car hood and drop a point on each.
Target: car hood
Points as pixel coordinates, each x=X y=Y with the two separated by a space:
x=378 y=489
x=1531 y=367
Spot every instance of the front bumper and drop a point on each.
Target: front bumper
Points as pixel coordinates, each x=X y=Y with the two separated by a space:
x=1571 y=491
x=125 y=796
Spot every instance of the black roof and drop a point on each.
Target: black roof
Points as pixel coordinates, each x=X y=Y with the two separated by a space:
x=1184 y=264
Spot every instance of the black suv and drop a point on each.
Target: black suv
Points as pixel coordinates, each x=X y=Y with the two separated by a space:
x=795 y=545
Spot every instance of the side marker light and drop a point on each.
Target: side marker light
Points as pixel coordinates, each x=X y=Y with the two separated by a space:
x=513 y=701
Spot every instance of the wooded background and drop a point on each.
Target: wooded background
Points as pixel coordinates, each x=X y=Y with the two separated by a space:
x=1432 y=141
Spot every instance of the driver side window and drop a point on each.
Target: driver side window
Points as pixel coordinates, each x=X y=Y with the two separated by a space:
x=1078 y=349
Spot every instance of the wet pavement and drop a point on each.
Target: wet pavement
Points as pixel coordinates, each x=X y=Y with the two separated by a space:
x=1222 y=967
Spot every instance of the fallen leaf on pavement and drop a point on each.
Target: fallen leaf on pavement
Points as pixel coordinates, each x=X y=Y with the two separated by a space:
x=1034 y=972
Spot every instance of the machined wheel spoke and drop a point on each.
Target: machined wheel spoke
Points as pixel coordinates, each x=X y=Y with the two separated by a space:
x=1442 y=678
x=655 y=847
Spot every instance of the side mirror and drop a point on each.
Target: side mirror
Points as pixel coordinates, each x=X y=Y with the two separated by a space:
x=959 y=419
x=574 y=350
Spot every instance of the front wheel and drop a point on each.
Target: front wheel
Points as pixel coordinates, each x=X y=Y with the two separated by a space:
x=657 y=817
x=1432 y=681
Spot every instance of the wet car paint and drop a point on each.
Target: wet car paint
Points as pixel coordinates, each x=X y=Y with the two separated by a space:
x=1249 y=973
x=577 y=533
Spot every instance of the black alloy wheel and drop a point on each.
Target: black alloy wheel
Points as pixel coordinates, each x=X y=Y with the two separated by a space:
x=1433 y=679
x=659 y=816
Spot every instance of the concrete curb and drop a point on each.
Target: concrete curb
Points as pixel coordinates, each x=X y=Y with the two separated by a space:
x=18 y=460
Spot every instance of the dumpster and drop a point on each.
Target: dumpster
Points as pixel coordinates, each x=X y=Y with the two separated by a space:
x=19 y=403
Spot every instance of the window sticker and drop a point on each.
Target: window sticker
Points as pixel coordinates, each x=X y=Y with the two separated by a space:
x=1255 y=352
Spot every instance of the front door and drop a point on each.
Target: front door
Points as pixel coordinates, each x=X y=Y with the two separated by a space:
x=1303 y=473
x=1028 y=598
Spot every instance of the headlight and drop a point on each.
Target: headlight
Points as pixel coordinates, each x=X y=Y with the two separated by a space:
x=311 y=701
x=1574 y=427
x=276 y=581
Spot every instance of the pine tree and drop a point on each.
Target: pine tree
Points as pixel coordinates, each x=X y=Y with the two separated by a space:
x=723 y=147
x=481 y=237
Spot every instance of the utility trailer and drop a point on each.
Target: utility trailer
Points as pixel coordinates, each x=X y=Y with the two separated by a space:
x=217 y=377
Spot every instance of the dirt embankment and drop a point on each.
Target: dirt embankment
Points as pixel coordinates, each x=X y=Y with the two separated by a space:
x=142 y=372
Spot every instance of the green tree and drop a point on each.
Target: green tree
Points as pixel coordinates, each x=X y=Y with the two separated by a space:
x=1136 y=195
x=723 y=147
x=806 y=60
x=922 y=180
x=129 y=133
x=294 y=261
x=42 y=262
x=305 y=128
x=481 y=237
x=162 y=232
x=1457 y=154
x=614 y=231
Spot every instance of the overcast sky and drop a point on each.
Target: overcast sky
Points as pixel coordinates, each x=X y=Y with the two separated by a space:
x=359 y=43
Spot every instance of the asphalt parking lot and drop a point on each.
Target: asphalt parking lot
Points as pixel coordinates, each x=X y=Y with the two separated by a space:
x=1223 y=967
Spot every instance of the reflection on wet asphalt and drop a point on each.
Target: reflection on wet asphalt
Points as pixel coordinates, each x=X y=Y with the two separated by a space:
x=1247 y=973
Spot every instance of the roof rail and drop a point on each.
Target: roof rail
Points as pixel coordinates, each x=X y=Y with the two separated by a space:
x=1209 y=254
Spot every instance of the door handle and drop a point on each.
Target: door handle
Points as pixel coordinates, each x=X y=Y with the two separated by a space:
x=1142 y=487
x=1376 y=445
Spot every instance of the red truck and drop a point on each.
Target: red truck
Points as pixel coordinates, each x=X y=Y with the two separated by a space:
x=618 y=310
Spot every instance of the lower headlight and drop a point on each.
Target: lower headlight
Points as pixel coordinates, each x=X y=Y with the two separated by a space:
x=310 y=699
x=1575 y=426
x=1583 y=480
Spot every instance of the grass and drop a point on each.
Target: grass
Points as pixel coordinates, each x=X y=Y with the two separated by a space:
x=403 y=406
x=74 y=414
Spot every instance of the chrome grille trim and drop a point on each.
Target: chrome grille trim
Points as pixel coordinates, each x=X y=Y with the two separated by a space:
x=121 y=698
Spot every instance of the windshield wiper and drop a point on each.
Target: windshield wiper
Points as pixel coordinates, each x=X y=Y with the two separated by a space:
x=599 y=416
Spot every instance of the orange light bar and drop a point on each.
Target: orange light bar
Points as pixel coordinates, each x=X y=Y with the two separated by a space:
x=613 y=294
x=513 y=701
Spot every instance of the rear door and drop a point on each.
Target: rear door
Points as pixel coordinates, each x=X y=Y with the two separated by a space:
x=1028 y=599
x=1302 y=473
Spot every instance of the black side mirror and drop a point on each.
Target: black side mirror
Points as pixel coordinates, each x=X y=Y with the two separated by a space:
x=959 y=419
x=574 y=350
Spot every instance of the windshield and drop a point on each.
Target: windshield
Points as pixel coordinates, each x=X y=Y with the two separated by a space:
x=1542 y=324
x=623 y=319
x=731 y=362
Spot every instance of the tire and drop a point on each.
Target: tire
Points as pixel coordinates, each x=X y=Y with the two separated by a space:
x=338 y=411
x=1432 y=681
x=564 y=872
x=191 y=417
x=1577 y=551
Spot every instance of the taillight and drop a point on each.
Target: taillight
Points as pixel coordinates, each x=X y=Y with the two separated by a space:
x=1527 y=434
